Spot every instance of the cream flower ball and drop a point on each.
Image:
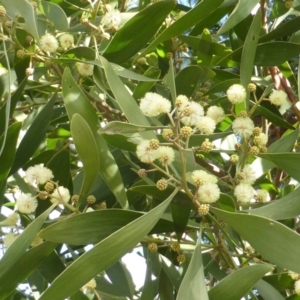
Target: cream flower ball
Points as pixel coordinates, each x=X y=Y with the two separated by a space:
x=244 y=193
x=61 y=194
x=48 y=43
x=278 y=97
x=145 y=153
x=243 y=127
x=38 y=174
x=236 y=94
x=26 y=203
x=154 y=104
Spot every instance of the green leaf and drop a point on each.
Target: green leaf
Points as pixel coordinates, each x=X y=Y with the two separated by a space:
x=20 y=245
x=187 y=80
x=284 y=144
x=238 y=283
x=272 y=117
x=110 y=249
x=285 y=29
x=77 y=102
x=266 y=236
x=212 y=18
x=248 y=54
x=241 y=11
x=55 y=15
x=8 y=154
x=125 y=101
x=193 y=285
x=205 y=49
x=92 y=227
x=266 y=54
x=284 y=161
x=171 y=271
x=34 y=136
x=29 y=262
x=184 y=23
x=143 y=87
x=121 y=278
x=13 y=102
x=88 y=152
x=135 y=34
x=116 y=127
x=169 y=80
x=267 y=291
x=25 y=13
x=284 y=208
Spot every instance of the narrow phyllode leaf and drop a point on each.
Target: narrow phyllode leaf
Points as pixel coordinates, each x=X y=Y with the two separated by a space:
x=284 y=144
x=34 y=136
x=285 y=208
x=267 y=54
x=29 y=262
x=284 y=161
x=116 y=127
x=205 y=49
x=248 y=54
x=125 y=101
x=241 y=11
x=266 y=237
x=267 y=291
x=238 y=283
x=87 y=150
x=8 y=154
x=110 y=250
x=23 y=241
x=171 y=271
x=136 y=33
x=92 y=227
x=184 y=23
x=77 y=102
x=193 y=285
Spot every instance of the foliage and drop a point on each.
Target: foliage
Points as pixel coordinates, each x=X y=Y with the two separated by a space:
x=154 y=125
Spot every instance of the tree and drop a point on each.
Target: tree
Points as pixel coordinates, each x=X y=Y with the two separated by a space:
x=156 y=125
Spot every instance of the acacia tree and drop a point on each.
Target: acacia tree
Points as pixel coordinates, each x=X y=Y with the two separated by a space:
x=156 y=125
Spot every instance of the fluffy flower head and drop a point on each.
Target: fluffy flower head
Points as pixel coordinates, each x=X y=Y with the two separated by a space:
x=236 y=94
x=206 y=125
x=216 y=113
x=9 y=239
x=297 y=287
x=66 y=40
x=26 y=203
x=181 y=101
x=84 y=69
x=201 y=177
x=191 y=113
x=278 y=97
x=111 y=19
x=145 y=153
x=243 y=127
x=262 y=196
x=154 y=104
x=60 y=194
x=48 y=43
x=165 y=155
x=38 y=174
x=208 y=193
x=11 y=220
x=247 y=176
x=244 y=193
